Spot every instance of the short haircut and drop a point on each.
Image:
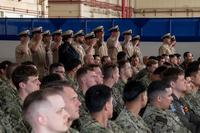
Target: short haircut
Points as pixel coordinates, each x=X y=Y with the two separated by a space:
x=171 y=74
x=132 y=90
x=10 y=70
x=177 y=55
x=160 y=70
x=185 y=54
x=155 y=88
x=82 y=72
x=50 y=78
x=151 y=62
x=28 y=63
x=96 y=97
x=92 y=66
x=4 y=64
x=22 y=73
x=160 y=58
x=96 y=55
x=107 y=70
x=153 y=58
x=121 y=56
x=54 y=66
x=193 y=68
x=122 y=64
x=171 y=56
x=35 y=100
x=57 y=85
x=103 y=59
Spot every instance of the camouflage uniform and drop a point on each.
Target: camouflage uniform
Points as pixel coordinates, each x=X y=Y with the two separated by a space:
x=112 y=50
x=193 y=101
x=120 y=86
x=21 y=56
x=130 y=123
x=11 y=112
x=146 y=80
x=165 y=49
x=72 y=82
x=71 y=130
x=163 y=121
x=187 y=116
x=94 y=127
x=118 y=103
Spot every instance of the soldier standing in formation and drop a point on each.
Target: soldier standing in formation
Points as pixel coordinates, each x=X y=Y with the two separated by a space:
x=101 y=47
x=113 y=43
x=165 y=48
x=22 y=51
x=38 y=51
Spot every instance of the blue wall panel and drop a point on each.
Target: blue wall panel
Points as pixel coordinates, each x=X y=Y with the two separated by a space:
x=185 y=29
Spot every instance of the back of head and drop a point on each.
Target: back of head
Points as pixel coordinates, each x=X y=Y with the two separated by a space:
x=185 y=54
x=96 y=97
x=107 y=70
x=122 y=64
x=34 y=102
x=151 y=62
x=171 y=74
x=82 y=71
x=10 y=70
x=132 y=90
x=50 y=78
x=193 y=68
x=156 y=88
x=22 y=73
x=55 y=66
x=121 y=56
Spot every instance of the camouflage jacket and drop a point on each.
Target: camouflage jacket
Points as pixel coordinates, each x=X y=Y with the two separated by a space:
x=163 y=121
x=11 y=115
x=93 y=126
x=130 y=123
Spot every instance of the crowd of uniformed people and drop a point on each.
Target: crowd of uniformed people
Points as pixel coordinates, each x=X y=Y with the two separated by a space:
x=66 y=82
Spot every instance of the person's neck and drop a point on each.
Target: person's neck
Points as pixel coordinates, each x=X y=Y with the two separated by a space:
x=157 y=105
x=134 y=108
x=178 y=94
x=123 y=78
x=42 y=130
x=109 y=83
x=83 y=88
x=100 y=118
x=22 y=95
